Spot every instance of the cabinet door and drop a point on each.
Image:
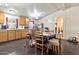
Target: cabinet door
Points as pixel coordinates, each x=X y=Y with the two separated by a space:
x=11 y=34
x=3 y=36
x=24 y=33
x=1 y=17
x=18 y=34
x=22 y=21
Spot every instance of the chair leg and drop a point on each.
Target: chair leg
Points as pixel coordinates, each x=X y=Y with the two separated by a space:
x=35 y=49
x=26 y=42
x=52 y=48
x=57 y=50
x=47 y=50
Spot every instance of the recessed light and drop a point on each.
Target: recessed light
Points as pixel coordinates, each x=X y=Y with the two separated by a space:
x=36 y=14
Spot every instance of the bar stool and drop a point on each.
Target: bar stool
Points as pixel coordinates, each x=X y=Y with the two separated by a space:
x=40 y=46
x=55 y=46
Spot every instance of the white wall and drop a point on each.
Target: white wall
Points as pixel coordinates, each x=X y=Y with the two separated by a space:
x=71 y=22
x=49 y=21
x=11 y=20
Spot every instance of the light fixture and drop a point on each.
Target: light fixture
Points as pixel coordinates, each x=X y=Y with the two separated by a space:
x=12 y=11
x=36 y=14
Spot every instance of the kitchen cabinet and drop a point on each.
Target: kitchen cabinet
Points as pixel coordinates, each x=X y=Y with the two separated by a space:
x=24 y=33
x=3 y=36
x=1 y=17
x=22 y=21
x=8 y=35
x=11 y=35
x=18 y=34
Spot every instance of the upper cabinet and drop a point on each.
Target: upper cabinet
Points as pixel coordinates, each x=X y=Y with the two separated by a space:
x=22 y=20
x=1 y=17
x=27 y=20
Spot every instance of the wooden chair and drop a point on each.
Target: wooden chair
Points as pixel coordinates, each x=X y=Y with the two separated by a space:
x=28 y=37
x=38 y=36
x=56 y=47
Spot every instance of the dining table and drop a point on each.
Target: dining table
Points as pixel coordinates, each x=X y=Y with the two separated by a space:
x=47 y=36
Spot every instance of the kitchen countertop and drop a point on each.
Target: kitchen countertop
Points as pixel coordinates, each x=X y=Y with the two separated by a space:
x=11 y=29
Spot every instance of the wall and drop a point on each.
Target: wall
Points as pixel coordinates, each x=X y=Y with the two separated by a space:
x=71 y=22
x=11 y=20
x=49 y=21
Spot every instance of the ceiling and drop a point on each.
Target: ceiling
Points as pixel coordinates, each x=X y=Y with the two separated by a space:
x=34 y=10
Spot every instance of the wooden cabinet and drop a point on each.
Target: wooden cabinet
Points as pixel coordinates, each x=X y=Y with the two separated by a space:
x=3 y=35
x=22 y=21
x=7 y=35
x=27 y=20
x=24 y=33
x=18 y=34
x=1 y=17
x=11 y=35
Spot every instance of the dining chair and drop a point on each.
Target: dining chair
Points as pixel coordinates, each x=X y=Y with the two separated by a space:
x=57 y=48
x=38 y=36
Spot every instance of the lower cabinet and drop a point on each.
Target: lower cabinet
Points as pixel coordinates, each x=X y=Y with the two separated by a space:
x=11 y=35
x=8 y=35
x=3 y=36
x=24 y=33
x=18 y=34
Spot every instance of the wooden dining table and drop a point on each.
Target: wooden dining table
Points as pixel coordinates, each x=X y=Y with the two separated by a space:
x=47 y=36
x=43 y=37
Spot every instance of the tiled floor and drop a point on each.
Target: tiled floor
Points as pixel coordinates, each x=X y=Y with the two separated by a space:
x=70 y=48
x=17 y=48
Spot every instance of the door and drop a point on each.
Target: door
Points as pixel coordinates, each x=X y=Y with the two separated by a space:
x=59 y=25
